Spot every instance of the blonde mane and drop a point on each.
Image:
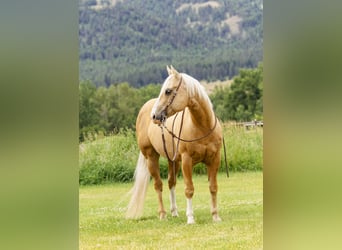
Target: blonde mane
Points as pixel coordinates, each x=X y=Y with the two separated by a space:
x=195 y=88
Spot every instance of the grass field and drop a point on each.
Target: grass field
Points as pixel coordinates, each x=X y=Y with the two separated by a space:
x=102 y=224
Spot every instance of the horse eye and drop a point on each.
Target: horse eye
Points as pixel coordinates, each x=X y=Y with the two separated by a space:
x=168 y=92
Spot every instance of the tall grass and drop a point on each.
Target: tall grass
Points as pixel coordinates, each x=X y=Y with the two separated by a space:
x=113 y=158
x=244 y=148
x=108 y=159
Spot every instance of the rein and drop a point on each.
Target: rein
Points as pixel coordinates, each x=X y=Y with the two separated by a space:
x=184 y=140
x=173 y=136
x=173 y=160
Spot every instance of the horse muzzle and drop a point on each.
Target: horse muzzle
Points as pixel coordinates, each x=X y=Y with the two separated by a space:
x=159 y=118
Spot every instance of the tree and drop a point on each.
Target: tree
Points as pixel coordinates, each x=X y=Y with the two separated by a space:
x=243 y=100
x=88 y=115
x=245 y=92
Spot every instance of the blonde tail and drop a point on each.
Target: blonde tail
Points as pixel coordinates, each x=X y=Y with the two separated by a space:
x=138 y=192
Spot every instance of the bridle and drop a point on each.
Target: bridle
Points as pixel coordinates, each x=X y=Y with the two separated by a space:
x=174 y=94
x=162 y=126
x=175 y=150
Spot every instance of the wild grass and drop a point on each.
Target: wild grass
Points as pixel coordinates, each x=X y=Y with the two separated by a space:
x=244 y=148
x=108 y=159
x=113 y=158
x=103 y=226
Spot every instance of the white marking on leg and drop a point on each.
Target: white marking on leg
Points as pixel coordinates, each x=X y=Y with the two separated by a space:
x=174 y=211
x=189 y=211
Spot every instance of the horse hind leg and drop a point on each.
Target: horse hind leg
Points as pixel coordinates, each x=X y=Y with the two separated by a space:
x=153 y=166
x=172 y=179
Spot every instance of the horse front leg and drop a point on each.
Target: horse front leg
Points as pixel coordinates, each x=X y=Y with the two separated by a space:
x=213 y=187
x=153 y=166
x=172 y=180
x=189 y=187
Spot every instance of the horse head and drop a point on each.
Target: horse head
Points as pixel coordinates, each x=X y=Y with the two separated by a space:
x=173 y=97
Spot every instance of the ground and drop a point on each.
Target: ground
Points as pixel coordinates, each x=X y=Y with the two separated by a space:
x=240 y=200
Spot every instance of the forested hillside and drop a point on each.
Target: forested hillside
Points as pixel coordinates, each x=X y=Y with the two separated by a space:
x=132 y=40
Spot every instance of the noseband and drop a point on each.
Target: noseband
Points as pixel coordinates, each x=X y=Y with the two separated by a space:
x=174 y=94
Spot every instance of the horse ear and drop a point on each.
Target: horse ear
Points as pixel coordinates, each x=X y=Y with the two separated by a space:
x=168 y=69
x=174 y=72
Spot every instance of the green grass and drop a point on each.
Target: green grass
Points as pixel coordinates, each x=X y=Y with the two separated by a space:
x=240 y=199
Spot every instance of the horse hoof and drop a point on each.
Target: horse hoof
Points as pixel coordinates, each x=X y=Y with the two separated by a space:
x=174 y=214
x=191 y=220
x=162 y=216
x=216 y=218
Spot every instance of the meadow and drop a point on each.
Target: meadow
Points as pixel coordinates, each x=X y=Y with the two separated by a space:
x=102 y=223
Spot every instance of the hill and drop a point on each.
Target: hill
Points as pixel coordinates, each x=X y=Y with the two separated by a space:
x=132 y=41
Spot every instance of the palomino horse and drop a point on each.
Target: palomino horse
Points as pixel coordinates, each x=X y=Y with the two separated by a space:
x=193 y=134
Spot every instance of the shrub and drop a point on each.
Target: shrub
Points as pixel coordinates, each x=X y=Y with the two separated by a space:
x=108 y=159
x=113 y=158
x=244 y=148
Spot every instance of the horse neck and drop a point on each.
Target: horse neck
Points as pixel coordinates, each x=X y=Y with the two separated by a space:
x=201 y=112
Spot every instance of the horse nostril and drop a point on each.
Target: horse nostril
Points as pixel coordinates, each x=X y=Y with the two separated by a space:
x=154 y=117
